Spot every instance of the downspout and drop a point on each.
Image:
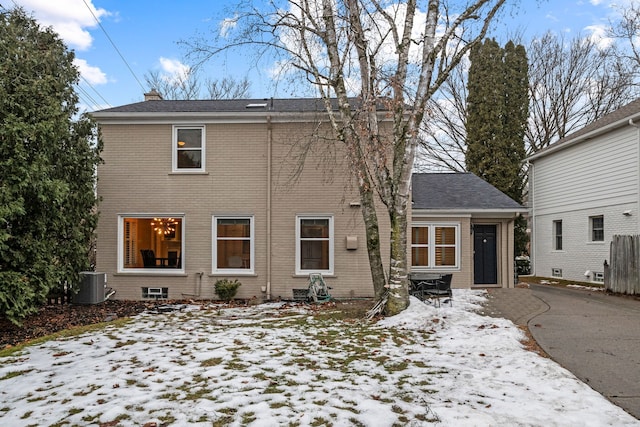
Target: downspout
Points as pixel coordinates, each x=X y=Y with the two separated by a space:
x=269 y=183
x=532 y=204
x=631 y=122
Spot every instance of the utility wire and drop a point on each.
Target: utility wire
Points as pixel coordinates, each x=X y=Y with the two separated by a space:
x=114 y=46
x=96 y=91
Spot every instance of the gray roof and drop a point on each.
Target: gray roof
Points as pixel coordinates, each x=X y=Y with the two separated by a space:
x=611 y=121
x=459 y=191
x=229 y=106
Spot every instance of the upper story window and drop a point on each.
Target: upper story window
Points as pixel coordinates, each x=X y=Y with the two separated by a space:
x=188 y=149
x=233 y=243
x=314 y=244
x=435 y=245
x=557 y=235
x=596 y=224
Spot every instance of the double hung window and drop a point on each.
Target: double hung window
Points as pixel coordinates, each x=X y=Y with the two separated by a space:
x=233 y=244
x=557 y=235
x=314 y=244
x=188 y=149
x=596 y=224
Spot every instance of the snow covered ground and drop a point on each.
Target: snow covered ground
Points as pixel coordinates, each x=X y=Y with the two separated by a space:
x=275 y=365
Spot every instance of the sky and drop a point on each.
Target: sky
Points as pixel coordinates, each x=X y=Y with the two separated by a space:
x=275 y=364
x=117 y=42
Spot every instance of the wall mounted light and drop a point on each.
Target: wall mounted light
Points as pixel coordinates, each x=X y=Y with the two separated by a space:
x=626 y=213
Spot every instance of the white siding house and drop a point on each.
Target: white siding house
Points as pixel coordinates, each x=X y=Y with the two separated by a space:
x=584 y=189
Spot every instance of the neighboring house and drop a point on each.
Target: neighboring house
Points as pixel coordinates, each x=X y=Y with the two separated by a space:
x=584 y=189
x=195 y=191
x=469 y=224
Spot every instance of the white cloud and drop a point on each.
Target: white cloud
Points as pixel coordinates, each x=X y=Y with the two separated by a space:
x=227 y=25
x=91 y=74
x=69 y=18
x=175 y=71
x=598 y=35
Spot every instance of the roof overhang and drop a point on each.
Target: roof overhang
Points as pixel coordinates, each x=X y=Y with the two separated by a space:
x=629 y=120
x=105 y=117
x=470 y=213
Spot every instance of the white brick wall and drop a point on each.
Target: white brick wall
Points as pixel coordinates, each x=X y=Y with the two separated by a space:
x=578 y=253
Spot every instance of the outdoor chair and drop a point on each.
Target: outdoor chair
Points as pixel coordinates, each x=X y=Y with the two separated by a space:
x=442 y=289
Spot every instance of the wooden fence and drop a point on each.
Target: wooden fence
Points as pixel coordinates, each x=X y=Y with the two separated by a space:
x=623 y=274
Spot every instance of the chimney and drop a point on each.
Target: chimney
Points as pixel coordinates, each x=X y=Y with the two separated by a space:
x=153 y=95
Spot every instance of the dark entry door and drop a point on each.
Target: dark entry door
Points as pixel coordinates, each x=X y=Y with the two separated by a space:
x=485 y=261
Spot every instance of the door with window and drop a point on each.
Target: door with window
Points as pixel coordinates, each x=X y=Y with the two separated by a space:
x=485 y=256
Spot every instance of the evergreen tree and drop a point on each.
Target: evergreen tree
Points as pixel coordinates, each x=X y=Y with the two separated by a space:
x=497 y=111
x=48 y=155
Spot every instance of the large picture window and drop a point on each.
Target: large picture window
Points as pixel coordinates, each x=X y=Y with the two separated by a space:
x=150 y=243
x=188 y=149
x=233 y=244
x=435 y=246
x=314 y=244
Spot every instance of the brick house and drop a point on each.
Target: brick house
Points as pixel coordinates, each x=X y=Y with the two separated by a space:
x=195 y=191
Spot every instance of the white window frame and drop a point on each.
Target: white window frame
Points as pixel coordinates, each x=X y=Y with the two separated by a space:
x=155 y=271
x=554 y=232
x=299 y=270
x=175 y=149
x=592 y=229
x=214 y=246
x=432 y=246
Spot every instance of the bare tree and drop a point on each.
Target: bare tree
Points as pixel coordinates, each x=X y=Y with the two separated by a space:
x=186 y=85
x=572 y=83
x=627 y=30
x=387 y=53
x=228 y=88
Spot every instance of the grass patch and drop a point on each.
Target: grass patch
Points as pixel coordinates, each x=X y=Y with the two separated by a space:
x=14 y=374
x=554 y=281
x=67 y=333
x=215 y=361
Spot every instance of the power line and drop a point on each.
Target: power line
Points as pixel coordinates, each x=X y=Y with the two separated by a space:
x=114 y=46
x=95 y=91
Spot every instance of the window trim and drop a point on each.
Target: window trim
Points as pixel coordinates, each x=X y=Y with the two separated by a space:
x=554 y=233
x=432 y=246
x=298 y=269
x=592 y=230
x=174 y=150
x=155 y=271
x=214 y=247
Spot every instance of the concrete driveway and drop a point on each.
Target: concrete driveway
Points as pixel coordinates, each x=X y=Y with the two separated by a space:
x=596 y=337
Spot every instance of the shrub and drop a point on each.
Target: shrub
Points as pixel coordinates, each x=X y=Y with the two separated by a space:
x=226 y=289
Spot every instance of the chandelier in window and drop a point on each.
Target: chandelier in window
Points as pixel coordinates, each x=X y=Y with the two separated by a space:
x=164 y=226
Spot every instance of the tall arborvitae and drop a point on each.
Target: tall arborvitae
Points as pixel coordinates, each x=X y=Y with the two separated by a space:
x=497 y=111
x=48 y=155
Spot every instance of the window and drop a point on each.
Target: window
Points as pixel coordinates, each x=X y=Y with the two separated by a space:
x=557 y=235
x=596 y=224
x=188 y=149
x=434 y=245
x=598 y=277
x=233 y=244
x=150 y=243
x=314 y=244
x=556 y=272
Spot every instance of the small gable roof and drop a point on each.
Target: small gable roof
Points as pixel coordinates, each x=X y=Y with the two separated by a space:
x=607 y=123
x=459 y=192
